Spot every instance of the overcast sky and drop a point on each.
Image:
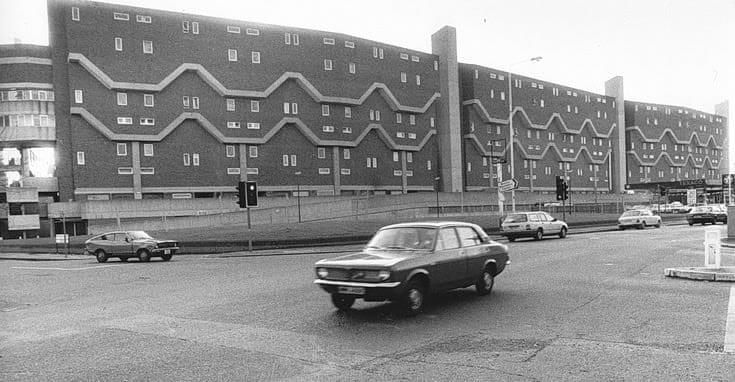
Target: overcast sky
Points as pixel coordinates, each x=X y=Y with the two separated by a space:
x=677 y=52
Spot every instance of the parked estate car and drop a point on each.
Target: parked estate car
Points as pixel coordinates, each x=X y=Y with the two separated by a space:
x=720 y=212
x=701 y=214
x=638 y=218
x=127 y=244
x=536 y=224
x=405 y=262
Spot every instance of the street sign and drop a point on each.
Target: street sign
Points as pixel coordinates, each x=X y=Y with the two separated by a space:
x=691 y=197
x=62 y=238
x=507 y=185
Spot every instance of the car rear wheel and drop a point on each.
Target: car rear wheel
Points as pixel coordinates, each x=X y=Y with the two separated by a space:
x=539 y=234
x=484 y=284
x=644 y=225
x=342 y=302
x=166 y=257
x=144 y=255
x=658 y=224
x=413 y=300
x=563 y=232
x=101 y=256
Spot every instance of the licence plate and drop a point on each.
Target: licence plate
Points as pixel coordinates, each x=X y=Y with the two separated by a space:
x=166 y=251
x=351 y=290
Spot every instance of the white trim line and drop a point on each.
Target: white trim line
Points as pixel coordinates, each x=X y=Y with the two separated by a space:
x=730 y=324
x=26 y=85
x=25 y=60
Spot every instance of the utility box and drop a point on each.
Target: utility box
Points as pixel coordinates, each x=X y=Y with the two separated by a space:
x=712 y=253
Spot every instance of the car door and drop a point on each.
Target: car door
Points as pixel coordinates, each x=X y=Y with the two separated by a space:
x=120 y=246
x=474 y=252
x=449 y=264
x=550 y=226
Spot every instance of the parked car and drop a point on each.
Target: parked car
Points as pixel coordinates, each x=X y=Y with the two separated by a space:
x=639 y=219
x=405 y=262
x=128 y=244
x=720 y=212
x=701 y=214
x=677 y=207
x=536 y=224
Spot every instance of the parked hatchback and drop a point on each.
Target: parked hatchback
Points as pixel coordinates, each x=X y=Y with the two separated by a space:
x=128 y=244
x=536 y=224
x=639 y=219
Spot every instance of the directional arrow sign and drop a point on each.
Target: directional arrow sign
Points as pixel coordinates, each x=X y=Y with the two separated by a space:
x=508 y=185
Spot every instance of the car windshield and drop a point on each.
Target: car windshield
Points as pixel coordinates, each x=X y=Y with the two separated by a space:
x=139 y=235
x=411 y=238
x=516 y=218
x=631 y=213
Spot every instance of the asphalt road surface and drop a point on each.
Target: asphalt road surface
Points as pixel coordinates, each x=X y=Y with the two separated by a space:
x=589 y=307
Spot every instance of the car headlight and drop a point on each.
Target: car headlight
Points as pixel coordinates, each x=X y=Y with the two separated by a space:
x=322 y=272
x=383 y=275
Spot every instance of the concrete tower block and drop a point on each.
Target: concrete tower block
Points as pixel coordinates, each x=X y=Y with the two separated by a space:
x=444 y=44
x=619 y=175
x=723 y=109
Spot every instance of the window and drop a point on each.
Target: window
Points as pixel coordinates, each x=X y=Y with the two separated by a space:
x=415 y=58
x=125 y=170
x=348 y=112
x=122 y=99
x=295 y=39
x=194 y=27
x=349 y=44
x=395 y=156
x=254 y=125
x=447 y=239
x=347 y=130
x=232 y=55
x=418 y=80
x=147 y=121
x=148 y=149
x=327 y=64
x=230 y=104
x=404 y=56
x=118 y=44
x=233 y=125
x=186 y=159
x=121 y=16
x=143 y=19
x=185 y=101
x=412 y=119
x=80 y=158
x=195 y=159
x=253 y=151
x=230 y=151
x=345 y=171
x=399 y=118
x=195 y=102
x=321 y=153
x=252 y=32
x=294 y=108
x=325 y=110
x=293 y=160
x=148 y=100
x=78 y=96
x=403 y=76
x=122 y=149
x=185 y=26
x=428 y=165
x=346 y=153
x=411 y=135
x=328 y=129
x=124 y=121
x=287 y=38
x=409 y=157
x=352 y=67
x=255 y=57
x=75 y=13
x=328 y=41
x=147 y=47
x=233 y=171
x=233 y=29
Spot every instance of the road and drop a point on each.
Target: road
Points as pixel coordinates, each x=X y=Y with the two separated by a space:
x=589 y=307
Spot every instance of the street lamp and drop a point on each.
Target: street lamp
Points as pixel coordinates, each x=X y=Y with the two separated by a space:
x=298 y=192
x=510 y=127
x=436 y=187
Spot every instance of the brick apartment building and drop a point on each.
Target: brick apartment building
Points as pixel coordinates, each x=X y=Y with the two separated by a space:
x=147 y=104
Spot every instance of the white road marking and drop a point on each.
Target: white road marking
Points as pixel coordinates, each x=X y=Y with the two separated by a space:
x=730 y=325
x=65 y=269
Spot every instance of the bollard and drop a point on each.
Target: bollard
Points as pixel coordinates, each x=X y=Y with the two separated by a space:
x=712 y=248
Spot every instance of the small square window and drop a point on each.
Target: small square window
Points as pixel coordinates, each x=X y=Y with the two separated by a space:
x=75 y=13
x=143 y=19
x=328 y=41
x=233 y=29
x=121 y=16
x=253 y=151
x=118 y=44
x=232 y=55
x=185 y=26
x=349 y=44
x=122 y=149
x=185 y=101
x=255 y=57
x=230 y=151
x=321 y=153
x=195 y=159
x=147 y=47
x=122 y=99
x=230 y=104
x=80 y=158
x=254 y=125
x=148 y=149
x=325 y=110
x=351 y=67
x=346 y=153
x=78 y=96
x=148 y=100
x=327 y=64
x=252 y=32
x=254 y=106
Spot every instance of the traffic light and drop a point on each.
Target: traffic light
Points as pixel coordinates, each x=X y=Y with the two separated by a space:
x=560 y=190
x=241 y=201
x=252 y=194
x=565 y=195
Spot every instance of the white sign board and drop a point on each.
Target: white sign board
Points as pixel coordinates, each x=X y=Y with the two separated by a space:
x=691 y=197
x=62 y=238
x=712 y=248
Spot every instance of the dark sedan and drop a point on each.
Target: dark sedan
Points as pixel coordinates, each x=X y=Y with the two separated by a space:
x=702 y=215
x=128 y=244
x=405 y=262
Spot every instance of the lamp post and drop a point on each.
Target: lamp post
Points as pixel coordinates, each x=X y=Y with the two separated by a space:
x=510 y=128
x=436 y=187
x=298 y=192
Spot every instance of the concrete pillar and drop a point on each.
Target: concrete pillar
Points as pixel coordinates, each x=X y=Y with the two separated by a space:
x=618 y=176
x=337 y=171
x=25 y=162
x=444 y=44
x=243 y=162
x=404 y=178
x=723 y=109
x=137 y=183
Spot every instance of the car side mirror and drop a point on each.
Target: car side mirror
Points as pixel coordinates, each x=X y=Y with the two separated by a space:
x=127 y=240
x=553 y=220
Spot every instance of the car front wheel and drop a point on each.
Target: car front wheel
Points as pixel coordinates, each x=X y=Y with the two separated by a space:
x=563 y=232
x=539 y=234
x=101 y=256
x=166 y=257
x=484 y=284
x=144 y=255
x=342 y=302
x=413 y=300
